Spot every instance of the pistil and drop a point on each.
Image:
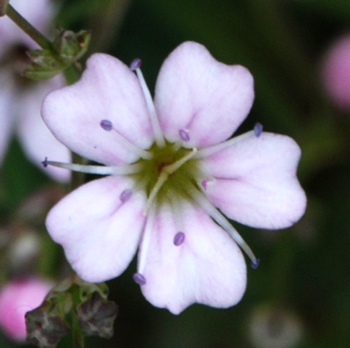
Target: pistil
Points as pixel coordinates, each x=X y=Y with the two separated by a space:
x=167 y=171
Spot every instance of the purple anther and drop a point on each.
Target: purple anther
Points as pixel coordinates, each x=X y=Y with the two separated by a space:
x=255 y=264
x=258 y=128
x=136 y=64
x=184 y=135
x=107 y=125
x=179 y=238
x=125 y=195
x=45 y=163
x=139 y=279
x=205 y=183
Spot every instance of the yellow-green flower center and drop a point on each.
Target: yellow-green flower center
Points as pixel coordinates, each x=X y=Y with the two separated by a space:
x=169 y=173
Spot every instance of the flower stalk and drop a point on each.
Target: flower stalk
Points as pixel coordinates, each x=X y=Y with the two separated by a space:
x=38 y=37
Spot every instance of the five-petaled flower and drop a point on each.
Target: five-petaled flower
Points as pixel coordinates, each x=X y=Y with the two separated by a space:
x=20 y=98
x=172 y=175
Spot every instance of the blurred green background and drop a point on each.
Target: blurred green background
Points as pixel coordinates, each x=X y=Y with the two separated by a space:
x=300 y=294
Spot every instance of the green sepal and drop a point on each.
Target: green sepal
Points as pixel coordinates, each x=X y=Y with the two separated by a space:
x=71 y=46
x=43 y=65
x=71 y=301
x=46 y=325
x=67 y=48
x=96 y=316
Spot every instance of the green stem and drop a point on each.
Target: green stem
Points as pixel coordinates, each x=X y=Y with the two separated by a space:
x=78 y=337
x=39 y=38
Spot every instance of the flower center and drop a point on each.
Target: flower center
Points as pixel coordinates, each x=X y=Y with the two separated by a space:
x=168 y=174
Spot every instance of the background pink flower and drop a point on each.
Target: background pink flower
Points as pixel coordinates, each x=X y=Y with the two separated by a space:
x=336 y=72
x=16 y=299
x=20 y=98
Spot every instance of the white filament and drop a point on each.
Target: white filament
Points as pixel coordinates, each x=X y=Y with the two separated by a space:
x=132 y=147
x=216 y=148
x=205 y=204
x=99 y=170
x=158 y=134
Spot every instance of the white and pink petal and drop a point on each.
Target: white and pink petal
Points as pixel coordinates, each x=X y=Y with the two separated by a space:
x=108 y=90
x=189 y=259
x=99 y=226
x=201 y=96
x=254 y=181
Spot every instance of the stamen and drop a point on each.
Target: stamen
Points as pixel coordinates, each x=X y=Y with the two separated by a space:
x=255 y=264
x=221 y=220
x=258 y=128
x=172 y=168
x=184 y=135
x=146 y=240
x=208 y=151
x=99 y=170
x=164 y=175
x=136 y=64
x=107 y=125
x=45 y=163
x=125 y=195
x=179 y=238
x=139 y=279
x=161 y=180
x=158 y=134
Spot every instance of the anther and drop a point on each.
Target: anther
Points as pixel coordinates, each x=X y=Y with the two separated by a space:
x=179 y=238
x=107 y=125
x=205 y=183
x=255 y=264
x=139 y=279
x=45 y=163
x=125 y=195
x=136 y=64
x=258 y=128
x=184 y=135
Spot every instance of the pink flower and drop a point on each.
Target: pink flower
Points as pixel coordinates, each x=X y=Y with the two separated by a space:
x=16 y=299
x=20 y=98
x=336 y=72
x=170 y=168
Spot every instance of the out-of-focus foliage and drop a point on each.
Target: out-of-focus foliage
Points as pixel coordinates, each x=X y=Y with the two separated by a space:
x=304 y=270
